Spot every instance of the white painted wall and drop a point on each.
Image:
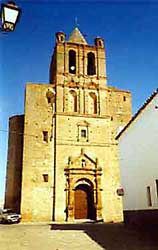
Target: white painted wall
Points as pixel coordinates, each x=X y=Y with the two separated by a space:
x=1 y=203
x=138 y=147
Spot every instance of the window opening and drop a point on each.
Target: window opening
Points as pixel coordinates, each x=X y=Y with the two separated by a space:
x=124 y=98
x=45 y=136
x=91 y=64
x=83 y=133
x=45 y=177
x=100 y=43
x=149 y=196
x=83 y=163
x=72 y=62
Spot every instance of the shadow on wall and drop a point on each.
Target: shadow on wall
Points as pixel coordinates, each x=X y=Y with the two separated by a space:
x=117 y=236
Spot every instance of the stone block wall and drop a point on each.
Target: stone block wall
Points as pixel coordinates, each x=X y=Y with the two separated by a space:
x=38 y=155
x=14 y=163
x=98 y=144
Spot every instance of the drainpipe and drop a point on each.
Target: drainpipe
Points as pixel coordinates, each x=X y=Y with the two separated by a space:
x=54 y=168
x=55 y=150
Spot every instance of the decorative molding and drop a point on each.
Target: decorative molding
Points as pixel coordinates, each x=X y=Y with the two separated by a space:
x=72 y=84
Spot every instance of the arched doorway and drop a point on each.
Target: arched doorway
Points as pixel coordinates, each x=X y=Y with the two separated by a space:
x=84 y=202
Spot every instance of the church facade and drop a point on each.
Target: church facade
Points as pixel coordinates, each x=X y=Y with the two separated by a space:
x=63 y=157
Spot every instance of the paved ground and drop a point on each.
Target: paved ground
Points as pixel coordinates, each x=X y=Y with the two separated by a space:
x=77 y=236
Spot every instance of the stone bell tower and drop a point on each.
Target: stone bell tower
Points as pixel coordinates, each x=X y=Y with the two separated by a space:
x=84 y=133
x=76 y=63
x=75 y=60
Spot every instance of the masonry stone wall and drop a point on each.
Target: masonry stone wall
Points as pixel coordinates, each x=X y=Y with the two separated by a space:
x=38 y=155
x=14 y=163
x=99 y=145
x=64 y=141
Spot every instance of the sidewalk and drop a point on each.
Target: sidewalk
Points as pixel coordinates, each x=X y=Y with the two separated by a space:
x=85 y=236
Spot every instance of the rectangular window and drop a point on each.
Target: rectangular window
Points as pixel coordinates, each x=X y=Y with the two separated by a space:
x=149 y=196
x=124 y=98
x=83 y=163
x=157 y=188
x=45 y=136
x=45 y=177
x=83 y=133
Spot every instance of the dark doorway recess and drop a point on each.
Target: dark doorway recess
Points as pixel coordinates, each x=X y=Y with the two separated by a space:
x=84 y=202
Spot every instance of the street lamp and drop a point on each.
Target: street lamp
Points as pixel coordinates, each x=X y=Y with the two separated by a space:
x=10 y=14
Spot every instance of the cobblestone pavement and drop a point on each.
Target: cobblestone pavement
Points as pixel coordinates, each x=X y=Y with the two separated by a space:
x=77 y=236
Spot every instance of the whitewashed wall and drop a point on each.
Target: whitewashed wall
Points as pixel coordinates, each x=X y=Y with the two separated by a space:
x=138 y=147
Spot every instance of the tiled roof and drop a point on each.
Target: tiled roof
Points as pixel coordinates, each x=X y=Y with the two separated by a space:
x=137 y=113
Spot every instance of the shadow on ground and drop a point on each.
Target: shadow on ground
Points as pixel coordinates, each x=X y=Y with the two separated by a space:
x=117 y=236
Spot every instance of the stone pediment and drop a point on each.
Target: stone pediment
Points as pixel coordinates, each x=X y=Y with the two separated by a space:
x=82 y=161
x=83 y=123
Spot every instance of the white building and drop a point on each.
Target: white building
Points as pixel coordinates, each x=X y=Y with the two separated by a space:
x=138 y=145
x=1 y=202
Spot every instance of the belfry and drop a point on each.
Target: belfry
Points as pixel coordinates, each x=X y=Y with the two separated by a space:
x=67 y=165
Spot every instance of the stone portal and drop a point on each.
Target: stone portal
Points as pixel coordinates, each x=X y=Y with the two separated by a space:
x=83 y=188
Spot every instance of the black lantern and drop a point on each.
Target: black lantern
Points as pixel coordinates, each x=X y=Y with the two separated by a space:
x=10 y=14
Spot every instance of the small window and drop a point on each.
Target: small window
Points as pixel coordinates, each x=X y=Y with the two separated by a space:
x=124 y=98
x=45 y=177
x=100 y=43
x=149 y=196
x=45 y=136
x=83 y=163
x=83 y=133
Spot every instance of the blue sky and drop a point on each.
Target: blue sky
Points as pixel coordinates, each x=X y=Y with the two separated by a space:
x=130 y=31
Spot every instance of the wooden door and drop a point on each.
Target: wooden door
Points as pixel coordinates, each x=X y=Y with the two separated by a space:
x=81 y=204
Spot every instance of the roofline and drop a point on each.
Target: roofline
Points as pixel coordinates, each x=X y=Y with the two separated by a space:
x=137 y=113
x=111 y=88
